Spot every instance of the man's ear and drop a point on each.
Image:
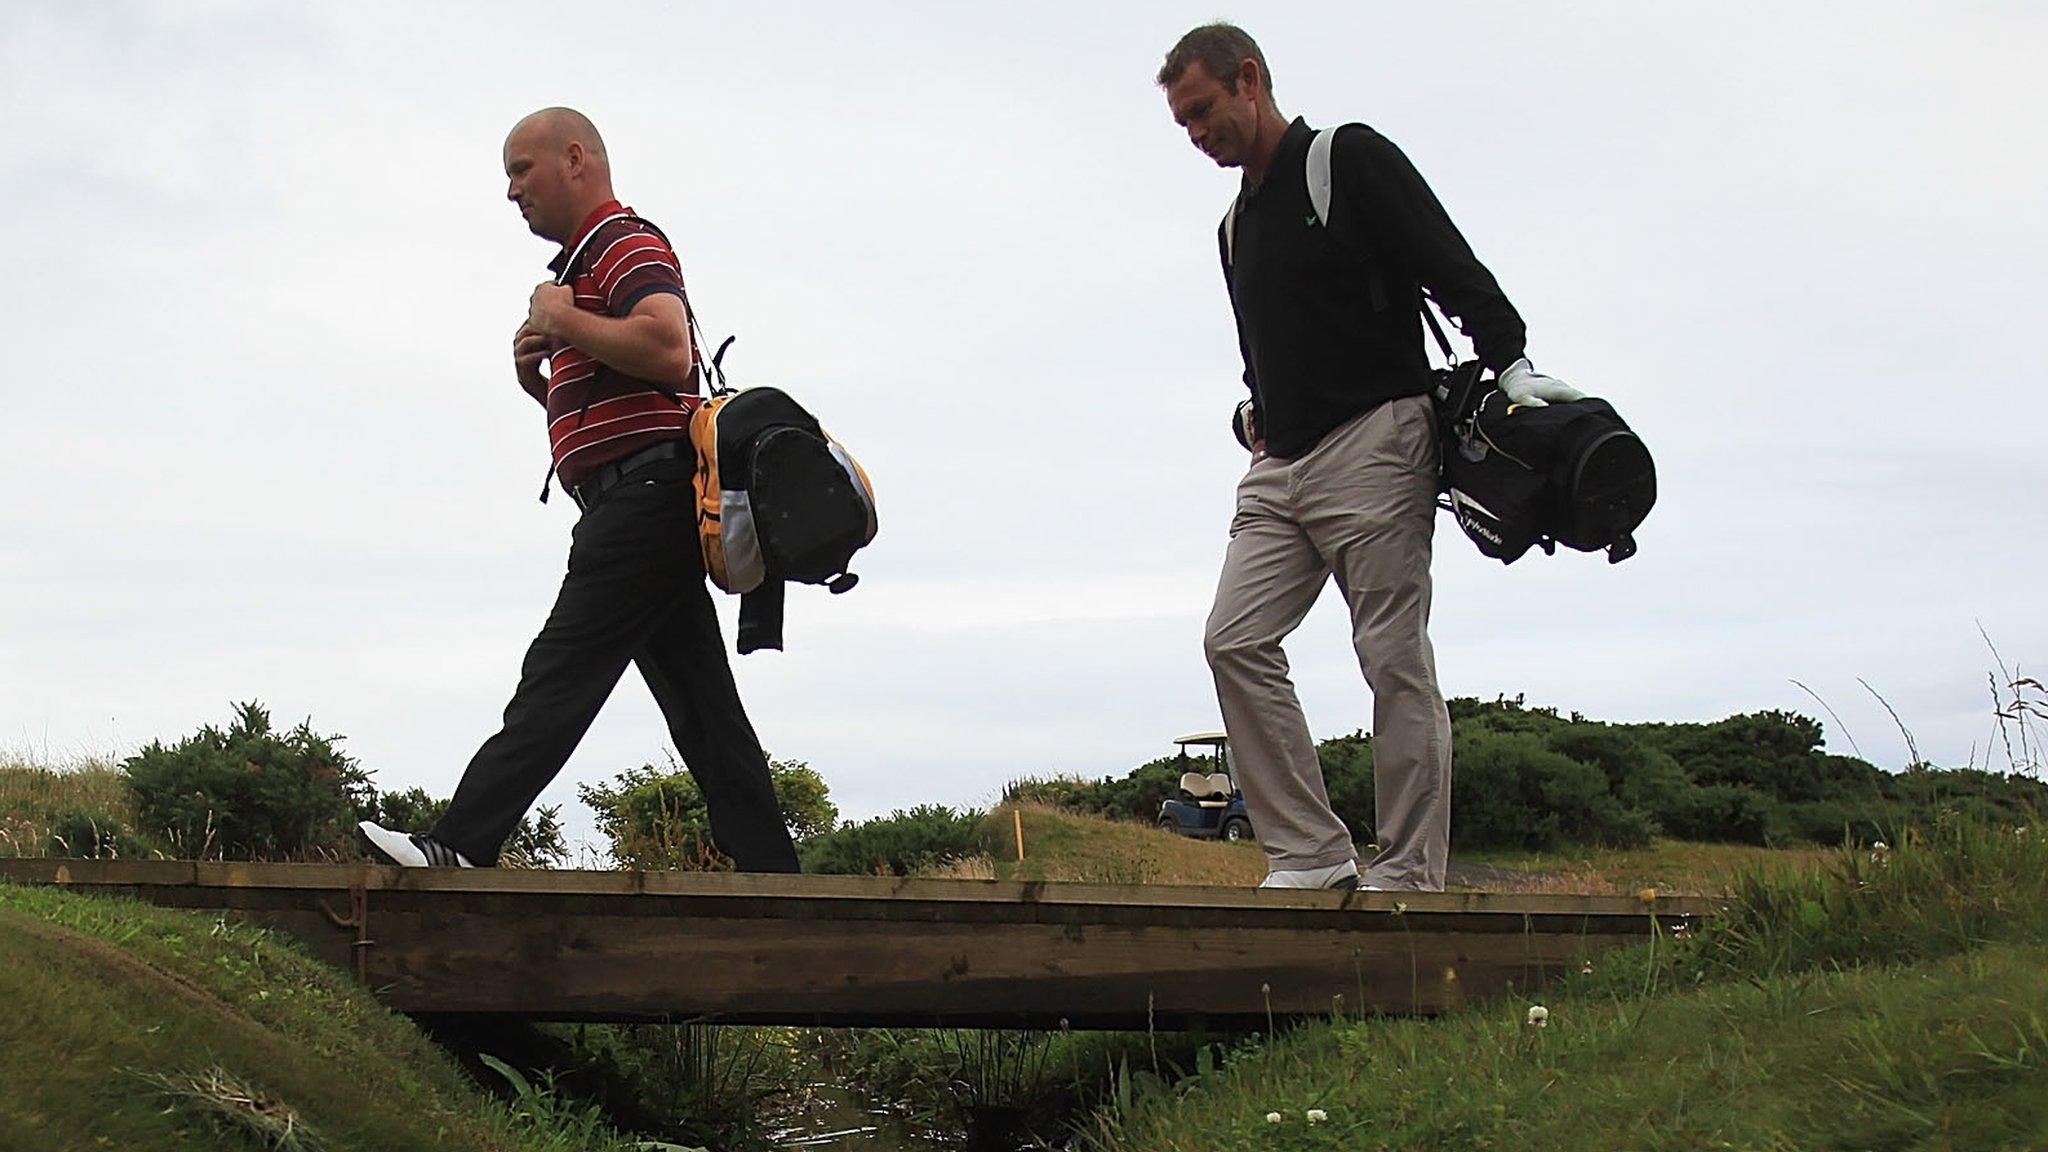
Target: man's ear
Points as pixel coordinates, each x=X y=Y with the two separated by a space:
x=1249 y=76
x=573 y=155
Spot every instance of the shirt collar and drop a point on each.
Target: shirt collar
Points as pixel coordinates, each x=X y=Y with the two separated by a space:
x=1293 y=141
x=596 y=217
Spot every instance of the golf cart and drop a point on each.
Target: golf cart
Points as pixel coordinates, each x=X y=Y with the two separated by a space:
x=1207 y=804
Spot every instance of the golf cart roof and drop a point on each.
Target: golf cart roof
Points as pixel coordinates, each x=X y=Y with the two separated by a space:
x=1200 y=738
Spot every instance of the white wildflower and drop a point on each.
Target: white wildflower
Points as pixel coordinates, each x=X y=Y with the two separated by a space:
x=1586 y=969
x=1272 y=1117
x=1539 y=1016
x=1317 y=1115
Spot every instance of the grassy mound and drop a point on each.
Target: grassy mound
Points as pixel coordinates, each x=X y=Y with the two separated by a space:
x=143 y=1028
x=1079 y=846
x=1943 y=1054
x=1877 y=1000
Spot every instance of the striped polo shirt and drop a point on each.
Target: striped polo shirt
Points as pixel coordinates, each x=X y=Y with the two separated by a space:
x=596 y=413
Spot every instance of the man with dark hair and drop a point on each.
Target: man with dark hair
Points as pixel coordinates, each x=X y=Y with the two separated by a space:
x=606 y=351
x=1343 y=477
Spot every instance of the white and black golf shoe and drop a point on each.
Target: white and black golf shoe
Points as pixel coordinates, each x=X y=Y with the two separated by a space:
x=408 y=849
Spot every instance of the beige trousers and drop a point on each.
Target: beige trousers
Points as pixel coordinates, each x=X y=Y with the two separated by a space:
x=1361 y=506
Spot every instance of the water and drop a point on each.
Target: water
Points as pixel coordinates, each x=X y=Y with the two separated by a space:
x=834 y=1118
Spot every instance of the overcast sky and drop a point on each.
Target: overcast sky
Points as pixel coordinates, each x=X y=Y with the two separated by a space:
x=264 y=440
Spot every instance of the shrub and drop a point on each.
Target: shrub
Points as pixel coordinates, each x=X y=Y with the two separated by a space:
x=897 y=844
x=93 y=836
x=249 y=792
x=657 y=819
x=1347 y=775
x=413 y=810
x=1723 y=812
x=1511 y=791
x=1072 y=793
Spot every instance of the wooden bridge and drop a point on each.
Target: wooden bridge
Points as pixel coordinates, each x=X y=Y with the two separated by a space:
x=858 y=950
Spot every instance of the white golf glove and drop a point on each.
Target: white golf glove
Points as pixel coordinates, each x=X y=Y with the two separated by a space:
x=1525 y=386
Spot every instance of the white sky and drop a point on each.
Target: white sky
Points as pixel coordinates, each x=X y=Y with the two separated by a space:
x=263 y=437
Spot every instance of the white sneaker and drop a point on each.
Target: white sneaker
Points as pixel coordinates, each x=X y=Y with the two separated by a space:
x=1340 y=875
x=408 y=849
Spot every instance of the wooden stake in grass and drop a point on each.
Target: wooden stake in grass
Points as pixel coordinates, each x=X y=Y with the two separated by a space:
x=1017 y=814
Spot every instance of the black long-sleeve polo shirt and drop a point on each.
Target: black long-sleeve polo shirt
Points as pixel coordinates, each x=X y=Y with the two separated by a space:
x=1330 y=317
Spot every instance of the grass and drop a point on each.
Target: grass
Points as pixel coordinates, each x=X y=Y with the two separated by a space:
x=1896 y=1000
x=1942 y=1054
x=1840 y=999
x=131 y=1026
x=1075 y=846
x=1062 y=845
x=1682 y=866
x=35 y=799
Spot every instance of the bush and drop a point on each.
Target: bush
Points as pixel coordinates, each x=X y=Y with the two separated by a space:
x=1072 y=793
x=93 y=836
x=657 y=819
x=1347 y=776
x=1527 y=777
x=1511 y=791
x=248 y=792
x=897 y=844
x=1723 y=812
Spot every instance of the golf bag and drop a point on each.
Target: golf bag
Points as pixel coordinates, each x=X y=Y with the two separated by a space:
x=777 y=498
x=1517 y=476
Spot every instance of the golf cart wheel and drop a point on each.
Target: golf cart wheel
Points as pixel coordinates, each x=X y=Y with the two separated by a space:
x=1168 y=824
x=1237 y=828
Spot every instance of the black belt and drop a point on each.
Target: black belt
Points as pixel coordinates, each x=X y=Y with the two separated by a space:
x=610 y=475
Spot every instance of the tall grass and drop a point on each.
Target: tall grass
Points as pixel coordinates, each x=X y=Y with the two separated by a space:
x=1086 y=848
x=1946 y=887
x=39 y=802
x=1878 y=998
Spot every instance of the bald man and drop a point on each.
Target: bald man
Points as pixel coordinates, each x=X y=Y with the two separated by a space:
x=605 y=349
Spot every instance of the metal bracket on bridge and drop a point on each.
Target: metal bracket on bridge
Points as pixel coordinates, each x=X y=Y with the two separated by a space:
x=358 y=919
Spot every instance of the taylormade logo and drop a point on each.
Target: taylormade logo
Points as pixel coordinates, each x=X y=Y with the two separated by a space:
x=1470 y=513
x=1477 y=527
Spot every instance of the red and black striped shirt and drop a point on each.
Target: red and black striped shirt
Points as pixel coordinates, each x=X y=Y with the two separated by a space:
x=596 y=413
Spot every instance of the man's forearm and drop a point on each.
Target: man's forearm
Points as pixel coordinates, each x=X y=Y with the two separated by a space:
x=649 y=344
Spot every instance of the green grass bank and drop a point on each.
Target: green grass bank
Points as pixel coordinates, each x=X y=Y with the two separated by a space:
x=1873 y=1000
x=132 y=1027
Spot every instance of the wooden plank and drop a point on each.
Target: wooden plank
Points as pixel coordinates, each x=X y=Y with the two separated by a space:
x=880 y=951
x=341 y=877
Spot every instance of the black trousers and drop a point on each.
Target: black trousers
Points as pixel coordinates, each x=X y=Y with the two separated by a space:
x=635 y=591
